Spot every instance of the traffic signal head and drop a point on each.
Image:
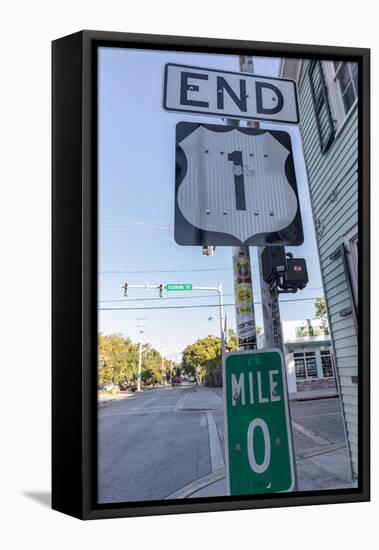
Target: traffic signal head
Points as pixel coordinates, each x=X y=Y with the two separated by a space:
x=126 y=290
x=281 y=269
x=297 y=274
x=161 y=287
x=273 y=262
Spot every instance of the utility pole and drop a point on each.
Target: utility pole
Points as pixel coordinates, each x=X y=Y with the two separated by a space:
x=140 y=327
x=269 y=294
x=244 y=298
x=163 y=370
x=243 y=291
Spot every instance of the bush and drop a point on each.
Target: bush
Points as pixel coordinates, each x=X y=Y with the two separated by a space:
x=214 y=379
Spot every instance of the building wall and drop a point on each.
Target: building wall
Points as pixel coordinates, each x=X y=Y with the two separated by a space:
x=333 y=183
x=296 y=343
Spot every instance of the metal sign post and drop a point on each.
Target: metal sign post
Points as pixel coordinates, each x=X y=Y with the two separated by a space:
x=243 y=294
x=244 y=298
x=141 y=330
x=236 y=186
x=272 y=325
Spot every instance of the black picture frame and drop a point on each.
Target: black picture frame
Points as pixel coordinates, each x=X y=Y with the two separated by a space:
x=74 y=272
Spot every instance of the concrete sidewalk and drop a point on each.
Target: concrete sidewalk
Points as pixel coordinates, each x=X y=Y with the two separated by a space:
x=325 y=466
x=203 y=399
x=306 y=395
x=328 y=470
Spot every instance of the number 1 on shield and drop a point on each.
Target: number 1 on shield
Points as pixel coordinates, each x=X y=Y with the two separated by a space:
x=239 y=182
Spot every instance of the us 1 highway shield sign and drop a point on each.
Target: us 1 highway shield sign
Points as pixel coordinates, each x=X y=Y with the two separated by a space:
x=258 y=442
x=235 y=186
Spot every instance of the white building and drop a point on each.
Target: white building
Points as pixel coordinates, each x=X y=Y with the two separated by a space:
x=308 y=355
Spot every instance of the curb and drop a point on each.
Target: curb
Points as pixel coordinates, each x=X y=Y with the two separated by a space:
x=194 y=409
x=180 y=407
x=315 y=397
x=197 y=485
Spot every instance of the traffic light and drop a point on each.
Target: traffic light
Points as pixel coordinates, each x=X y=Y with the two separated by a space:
x=161 y=287
x=296 y=274
x=126 y=290
x=281 y=269
x=273 y=263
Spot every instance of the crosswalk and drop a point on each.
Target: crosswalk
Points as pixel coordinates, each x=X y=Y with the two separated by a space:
x=143 y=405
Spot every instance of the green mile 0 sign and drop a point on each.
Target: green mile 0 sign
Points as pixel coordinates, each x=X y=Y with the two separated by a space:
x=258 y=442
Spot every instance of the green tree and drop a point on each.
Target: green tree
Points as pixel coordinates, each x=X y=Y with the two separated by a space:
x=203 y=358
x=321 y=313
x=117 y=358
x=231 y=340
x=151 y=365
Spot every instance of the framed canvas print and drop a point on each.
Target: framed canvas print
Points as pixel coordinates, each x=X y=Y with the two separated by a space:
x=210 y=275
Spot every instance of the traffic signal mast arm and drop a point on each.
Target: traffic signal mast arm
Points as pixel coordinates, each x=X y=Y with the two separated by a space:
x=127 y=286
x=161 y=287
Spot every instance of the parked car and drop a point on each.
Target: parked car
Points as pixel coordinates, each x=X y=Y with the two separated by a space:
x=128 y=386
x=176 y=381
x=112 y=388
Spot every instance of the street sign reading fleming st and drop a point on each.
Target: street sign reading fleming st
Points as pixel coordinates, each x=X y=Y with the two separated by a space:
x=229 y=95
x=235 y=186
x=258 y=443
x=178 y=286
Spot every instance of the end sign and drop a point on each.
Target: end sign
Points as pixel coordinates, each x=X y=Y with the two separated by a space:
x=259 y=454
x=229 y=94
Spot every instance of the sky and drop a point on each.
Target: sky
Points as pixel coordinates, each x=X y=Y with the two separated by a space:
x=136 y=210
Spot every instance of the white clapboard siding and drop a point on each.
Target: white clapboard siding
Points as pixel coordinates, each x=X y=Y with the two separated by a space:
x=333 y=184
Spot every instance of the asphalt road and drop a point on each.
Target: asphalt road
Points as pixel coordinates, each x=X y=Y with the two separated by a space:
x=148 y=449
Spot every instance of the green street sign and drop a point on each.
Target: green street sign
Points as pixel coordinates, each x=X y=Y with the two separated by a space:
x=178 y=286
x=258 y=442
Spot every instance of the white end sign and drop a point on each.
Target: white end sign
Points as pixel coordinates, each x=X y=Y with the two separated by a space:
x=229 y=95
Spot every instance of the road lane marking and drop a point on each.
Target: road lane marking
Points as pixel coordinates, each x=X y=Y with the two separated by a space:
x=316 y=438
x=217 y=460
x=180 y=402
x=139 y=410
x=337 y=413
x=203 y=421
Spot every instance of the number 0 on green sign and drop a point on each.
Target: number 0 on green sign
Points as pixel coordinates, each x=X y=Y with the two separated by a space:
x=258 y=432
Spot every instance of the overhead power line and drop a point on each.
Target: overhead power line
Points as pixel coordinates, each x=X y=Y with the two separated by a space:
x=170 y=270
x=194 y=306
x=158 y=299
x=165 y=298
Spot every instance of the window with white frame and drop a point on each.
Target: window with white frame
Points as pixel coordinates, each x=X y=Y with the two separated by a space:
x=346 y=74
x=305 y=365
x=327 y=364
x=341 y=79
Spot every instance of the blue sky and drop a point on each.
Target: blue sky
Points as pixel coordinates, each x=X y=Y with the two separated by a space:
x=136 y=208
